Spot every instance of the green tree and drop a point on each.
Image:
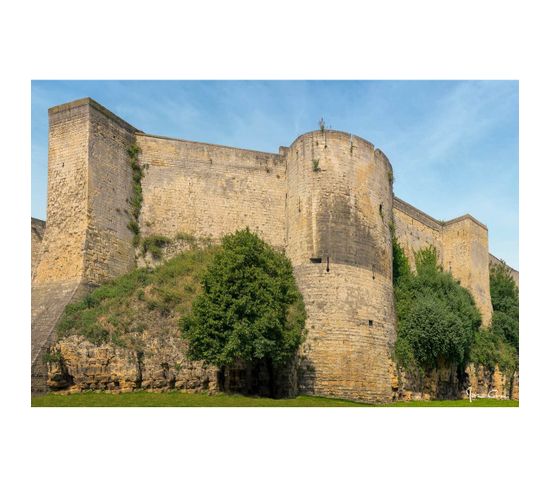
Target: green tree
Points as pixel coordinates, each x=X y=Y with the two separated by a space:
x=437 y=318
x=250 y=309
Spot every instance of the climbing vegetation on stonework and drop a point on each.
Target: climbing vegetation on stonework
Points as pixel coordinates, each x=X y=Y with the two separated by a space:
x=137 y=195
x=436 y=318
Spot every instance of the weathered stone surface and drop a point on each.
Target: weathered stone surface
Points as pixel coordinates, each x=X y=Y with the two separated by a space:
x=340 y=214
x=208 y=190
x=37 y=234
x=449 y=383
x=486 y=383
x=160 y=366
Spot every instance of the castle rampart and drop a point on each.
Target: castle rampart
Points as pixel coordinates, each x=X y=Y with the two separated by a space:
x=326 y=200
x=209 y=191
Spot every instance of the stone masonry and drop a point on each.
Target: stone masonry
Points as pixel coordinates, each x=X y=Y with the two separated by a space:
x=326 y=200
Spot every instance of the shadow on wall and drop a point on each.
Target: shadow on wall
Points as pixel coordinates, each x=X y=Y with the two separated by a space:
x=345 y=231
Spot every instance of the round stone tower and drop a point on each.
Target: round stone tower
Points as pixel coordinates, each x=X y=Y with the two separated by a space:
x=339 y=209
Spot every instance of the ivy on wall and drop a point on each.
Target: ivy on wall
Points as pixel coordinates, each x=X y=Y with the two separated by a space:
x=136 y=199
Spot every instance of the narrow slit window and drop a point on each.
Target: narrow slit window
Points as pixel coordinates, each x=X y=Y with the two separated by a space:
x=316 y=260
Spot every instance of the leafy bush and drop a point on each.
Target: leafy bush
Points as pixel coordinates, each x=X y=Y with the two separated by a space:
x=490 y=349
x=437 y=318
x=499 y=344
x=504 y=292
x=250 y=309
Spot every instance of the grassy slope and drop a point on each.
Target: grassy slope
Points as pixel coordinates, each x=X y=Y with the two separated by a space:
x=179 y=399
x=119 y=311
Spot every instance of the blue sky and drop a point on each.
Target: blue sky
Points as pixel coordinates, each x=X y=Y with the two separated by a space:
x=453 y=145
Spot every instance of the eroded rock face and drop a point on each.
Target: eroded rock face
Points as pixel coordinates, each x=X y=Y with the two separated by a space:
x=160 y=366
x=450 y=383
x=487 y=383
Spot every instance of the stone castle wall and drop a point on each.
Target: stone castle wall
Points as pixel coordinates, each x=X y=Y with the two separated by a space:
x=327 y=200
x=37 y=234
x=209 y=191
x=109 y=251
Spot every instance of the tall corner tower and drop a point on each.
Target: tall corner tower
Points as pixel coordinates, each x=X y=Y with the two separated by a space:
x=339 y=209
x=86 y=240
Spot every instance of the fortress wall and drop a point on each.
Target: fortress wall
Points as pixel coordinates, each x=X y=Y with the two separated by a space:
x=37 y=233
x=109 y=251
x=466 y=256
x=209 y=191
x=340 y=215
x=493 y=260
x=65 y=234
x=342 y=211
x=89 y=184
x=415 y=230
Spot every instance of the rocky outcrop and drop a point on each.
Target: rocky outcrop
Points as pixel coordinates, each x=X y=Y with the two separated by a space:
x=451 y=383
x=489 y=383
x=75 y=365
x=78 y=365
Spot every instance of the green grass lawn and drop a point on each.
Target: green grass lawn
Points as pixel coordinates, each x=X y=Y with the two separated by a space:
x=179 y=399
